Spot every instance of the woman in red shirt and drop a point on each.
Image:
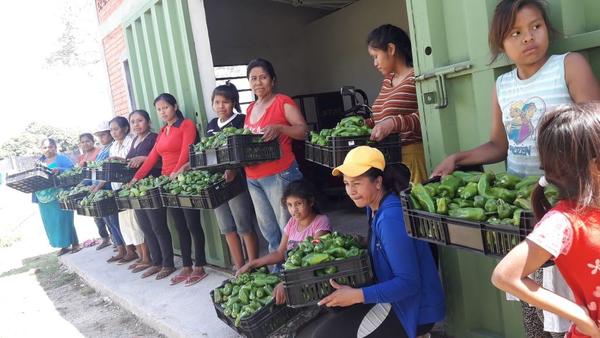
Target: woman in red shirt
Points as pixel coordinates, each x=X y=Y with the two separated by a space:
x=277 y=117
x=88 y=150
x=569 y=148
x=171 y=147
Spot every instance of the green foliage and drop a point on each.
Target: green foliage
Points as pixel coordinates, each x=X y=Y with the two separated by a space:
x=29 y=141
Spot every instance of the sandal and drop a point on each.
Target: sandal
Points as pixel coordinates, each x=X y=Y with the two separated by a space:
x=103 y=245
x=193 y=279
x=127 y=259
x=62 y=251
x=76 y=249
x=140 y=267
x=179 y=278
x=164 y=272
x=153 y=270
x=113 y=259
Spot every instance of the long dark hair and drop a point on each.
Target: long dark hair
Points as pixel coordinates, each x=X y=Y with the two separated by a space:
x=121 y=122
x=569 y=148
x=170 y=99
x=504 y=19
x=303 y=189
x=141 y=113
x=264 y=64
x=395 y=177
x=86 y=135
x=381 y=36
x=230 y=92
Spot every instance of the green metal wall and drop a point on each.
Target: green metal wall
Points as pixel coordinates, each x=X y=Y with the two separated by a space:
x=455 y=33
x=162 y=59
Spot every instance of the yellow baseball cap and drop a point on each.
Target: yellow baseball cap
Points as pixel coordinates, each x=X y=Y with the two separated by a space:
x=359 y=160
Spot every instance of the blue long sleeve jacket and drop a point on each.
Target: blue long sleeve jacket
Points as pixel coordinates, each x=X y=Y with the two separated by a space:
x=405 y=270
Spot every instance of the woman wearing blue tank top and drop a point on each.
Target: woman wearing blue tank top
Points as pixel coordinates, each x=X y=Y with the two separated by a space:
x=538 y=83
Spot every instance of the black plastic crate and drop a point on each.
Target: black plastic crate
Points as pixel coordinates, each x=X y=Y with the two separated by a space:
x=484 y=238
x=73 y=201
x=262 y=323
x=117 y=172
x=83 y=211
x=122 y=202
x=304 y=288
x=240 y=150
x=169 y=200
x=151 y=200
x=214 y=195
x=63 y=205
x=31 y=180
x=93 y=173
x=68 y=181
x=333 y=155
x=103 y=208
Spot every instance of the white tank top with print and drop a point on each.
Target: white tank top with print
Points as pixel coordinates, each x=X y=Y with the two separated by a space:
x=523 y=103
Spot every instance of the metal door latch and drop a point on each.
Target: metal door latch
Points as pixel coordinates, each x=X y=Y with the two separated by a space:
x=440 y=78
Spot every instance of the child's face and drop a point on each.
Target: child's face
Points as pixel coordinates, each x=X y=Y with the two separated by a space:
x=527 y=42
x=298 y=207
x=222 y=106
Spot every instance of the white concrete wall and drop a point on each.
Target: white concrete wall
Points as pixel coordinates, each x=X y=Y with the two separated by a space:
x=335 y=45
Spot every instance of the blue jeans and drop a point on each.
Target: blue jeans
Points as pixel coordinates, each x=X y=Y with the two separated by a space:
x=113 y=224
x=266 y=195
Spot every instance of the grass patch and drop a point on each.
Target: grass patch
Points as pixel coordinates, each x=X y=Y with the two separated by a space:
x=47 y=270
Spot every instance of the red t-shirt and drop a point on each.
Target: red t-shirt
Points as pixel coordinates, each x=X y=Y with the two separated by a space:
x=171 y=147
x=573 y=239
x=88 y=157
x=275 y=114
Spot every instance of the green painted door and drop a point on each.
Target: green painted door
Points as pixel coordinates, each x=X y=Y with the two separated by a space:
x=454 y=89
x=162 y=59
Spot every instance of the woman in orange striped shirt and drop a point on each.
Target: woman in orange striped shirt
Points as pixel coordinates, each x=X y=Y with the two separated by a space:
x=395 y=110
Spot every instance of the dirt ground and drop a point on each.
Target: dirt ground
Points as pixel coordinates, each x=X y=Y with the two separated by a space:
x=38 y=296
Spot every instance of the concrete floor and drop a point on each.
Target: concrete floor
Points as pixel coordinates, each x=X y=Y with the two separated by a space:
x=178 y=311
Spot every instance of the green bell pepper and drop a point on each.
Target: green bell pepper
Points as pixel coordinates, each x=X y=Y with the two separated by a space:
x=504 y=209
x=469 y=191
x=503 y=194
x=479 y=201
x=527 y=181
x=523 y=203
x=442 y=205
x=491 y=205
x=472 y=214
x=507 y=181
x=483 y=186
x=419 y=192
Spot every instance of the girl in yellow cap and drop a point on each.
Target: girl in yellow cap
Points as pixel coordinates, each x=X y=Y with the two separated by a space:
x=408 y=297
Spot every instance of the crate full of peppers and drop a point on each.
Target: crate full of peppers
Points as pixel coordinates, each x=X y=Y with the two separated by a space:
x=69 y=198
x=98 y=204
x=482 y=212
x=69 y=177
x=143 y=194
x=313 y=262
x=232 y=148
x=329 y=147
x=199 y=189
x=247 y=305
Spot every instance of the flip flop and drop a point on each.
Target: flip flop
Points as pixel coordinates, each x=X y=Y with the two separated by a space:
x=193 y=279
x=102 y=245
x=151 y=272
x=76 y=250
x=113 y=259
x=179 y=278
x=165 y=272
x=126 y=260
x=62 y=251
x=140 y=267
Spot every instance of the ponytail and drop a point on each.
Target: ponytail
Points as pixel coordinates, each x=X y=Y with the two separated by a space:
x=539 y=203
x=170 y=99
x=230 y=92
x=395 y=177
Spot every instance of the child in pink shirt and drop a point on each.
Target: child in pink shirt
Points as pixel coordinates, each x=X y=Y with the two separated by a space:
x=300 y=199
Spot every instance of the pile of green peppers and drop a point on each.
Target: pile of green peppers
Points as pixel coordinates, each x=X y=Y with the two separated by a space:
x=327 y=248
x=80 y=188
x=243 y=296
x=71 y=172
x=192 y=182
x=476 y=196
x=141 y=187
x=219 y=139
x=96 y=197
x=349 y=126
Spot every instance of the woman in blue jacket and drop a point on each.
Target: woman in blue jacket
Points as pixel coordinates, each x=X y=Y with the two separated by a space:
x=407 y=297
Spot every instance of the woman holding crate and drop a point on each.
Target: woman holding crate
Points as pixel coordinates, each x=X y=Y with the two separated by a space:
x=407 y=298
x=58 y=223
x=171 y=147
x=277 y=117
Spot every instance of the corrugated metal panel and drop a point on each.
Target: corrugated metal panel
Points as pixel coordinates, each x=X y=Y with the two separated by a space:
x=455 y=33
x=163 y=59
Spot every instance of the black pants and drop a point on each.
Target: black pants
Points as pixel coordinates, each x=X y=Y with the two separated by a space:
x=187 y=223
x=101 y=227
x=345 y=322
x=150 y=237
x=161 y=251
